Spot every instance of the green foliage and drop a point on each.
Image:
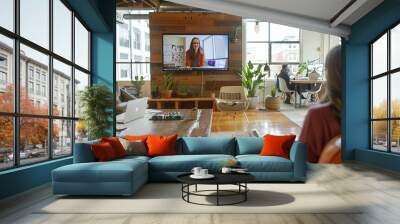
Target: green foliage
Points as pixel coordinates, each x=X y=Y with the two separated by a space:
x=138 y=84
x=303 y=67
x=273 y=91
x=252 y=77
x=96 y=102
x=182 y=88
x=168 y=81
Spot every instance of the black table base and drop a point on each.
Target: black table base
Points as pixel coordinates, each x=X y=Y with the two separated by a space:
x=241 y=191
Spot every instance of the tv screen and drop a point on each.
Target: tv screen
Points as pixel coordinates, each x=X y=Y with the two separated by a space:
x=195 y=52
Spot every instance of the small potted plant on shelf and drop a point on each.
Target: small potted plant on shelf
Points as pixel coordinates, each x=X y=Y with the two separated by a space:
x=182 y=90
x=138 y=84
x=155 y=91
x=168 y=85
x=273 y=102
x=252 y=77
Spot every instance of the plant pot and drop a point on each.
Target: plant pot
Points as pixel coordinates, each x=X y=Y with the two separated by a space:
x=253 y=102
x=272 y=103
x=168 y=94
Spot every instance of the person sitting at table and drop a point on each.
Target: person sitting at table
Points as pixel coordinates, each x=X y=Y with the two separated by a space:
x=195 y=55
x=321 y=127
x=285 y=74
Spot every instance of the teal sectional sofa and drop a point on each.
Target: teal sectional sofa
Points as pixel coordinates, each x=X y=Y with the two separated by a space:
x=125 y=176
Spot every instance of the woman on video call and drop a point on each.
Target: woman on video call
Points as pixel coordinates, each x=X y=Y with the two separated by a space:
x=195 y=55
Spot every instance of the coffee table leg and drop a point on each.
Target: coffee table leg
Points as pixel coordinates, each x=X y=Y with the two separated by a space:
x=196 y=188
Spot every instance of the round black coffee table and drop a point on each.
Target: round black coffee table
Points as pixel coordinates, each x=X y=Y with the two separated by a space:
x=238 y=179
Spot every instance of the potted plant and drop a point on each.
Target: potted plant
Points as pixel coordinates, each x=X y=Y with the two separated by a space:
x=155 y=91
x=168 y=85
x=183 y=90
x=138 y=84
x=252 y=77
x=272 y=101
x=303 y=68
x=97 y=102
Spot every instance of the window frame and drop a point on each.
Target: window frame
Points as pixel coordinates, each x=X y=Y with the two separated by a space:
x=388 y=74
x=16 y=114
x=270 y=43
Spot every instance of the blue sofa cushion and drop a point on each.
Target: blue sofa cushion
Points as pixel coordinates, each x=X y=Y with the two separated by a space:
x=111 y=171
x=83 y=153
x=249 y=145
x=206 y=145
x=185 y=163
x=257 y=163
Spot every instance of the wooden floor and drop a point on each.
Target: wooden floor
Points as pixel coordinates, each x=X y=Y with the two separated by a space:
x=264 y=122
x=377 y=189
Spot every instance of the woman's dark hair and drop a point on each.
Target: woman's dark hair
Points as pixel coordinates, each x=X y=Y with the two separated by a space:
x=192 y=52
x=285 y=68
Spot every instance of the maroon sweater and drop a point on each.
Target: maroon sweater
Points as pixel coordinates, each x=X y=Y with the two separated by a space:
x=320 y=126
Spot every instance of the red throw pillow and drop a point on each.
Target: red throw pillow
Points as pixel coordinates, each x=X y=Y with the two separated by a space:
x=103 y=152
x=277 y=145
x=161 y=145
x=116 y=145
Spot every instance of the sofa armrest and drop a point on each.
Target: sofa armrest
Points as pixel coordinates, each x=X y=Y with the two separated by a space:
x=298 y=155
x=83 y=152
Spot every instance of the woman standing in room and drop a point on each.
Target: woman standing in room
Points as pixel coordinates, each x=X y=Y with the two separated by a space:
x=321 y=128
x=195 y=55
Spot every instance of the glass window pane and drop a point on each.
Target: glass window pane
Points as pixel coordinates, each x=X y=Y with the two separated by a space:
x=33 y=139
x=123 y=43
x=395 y=47
x=284 y=33
x=379 y=135
x=257 y=52
x=276 y=69
x=6 y=142
x=81 y=45
x=34 y=96
x=81 y=81
x=35 y=21
x=256 y=31
x=81 y=131
x=7 y=14
x=123 y=72
x=395 y=136
x=6 y=74
x=62 y=89
x=62 y=138
x=395 y=95
x=379 y=55
x=285 y=52
x=62 y=29
x=379 y=98
x=141 y=69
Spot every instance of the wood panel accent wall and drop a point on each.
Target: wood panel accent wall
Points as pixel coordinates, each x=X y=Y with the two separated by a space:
x=195 y=22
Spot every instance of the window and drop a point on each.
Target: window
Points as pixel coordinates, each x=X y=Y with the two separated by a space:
x=81 y=45
x=132 y=59
x=136 y=38
x=45 y=118
x=62 y=29
x=385 y=96
x=272 y=43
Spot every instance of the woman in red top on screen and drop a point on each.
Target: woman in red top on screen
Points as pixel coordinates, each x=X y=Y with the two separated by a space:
x=195 y=55
x=321 y=128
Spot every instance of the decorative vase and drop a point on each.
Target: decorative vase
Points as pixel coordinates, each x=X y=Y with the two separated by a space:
x=253 y=102
x=272 y=103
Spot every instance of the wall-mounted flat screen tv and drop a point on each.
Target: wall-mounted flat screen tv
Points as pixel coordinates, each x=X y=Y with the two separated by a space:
x=195 y=52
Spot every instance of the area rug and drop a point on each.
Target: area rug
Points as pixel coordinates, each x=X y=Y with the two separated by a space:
x=166 y=198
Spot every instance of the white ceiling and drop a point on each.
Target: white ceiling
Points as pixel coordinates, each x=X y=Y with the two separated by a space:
x=315 y=15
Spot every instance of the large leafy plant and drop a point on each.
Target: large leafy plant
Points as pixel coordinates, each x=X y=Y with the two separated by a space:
x=96 y=102
x=252 y=77
x=168 y=81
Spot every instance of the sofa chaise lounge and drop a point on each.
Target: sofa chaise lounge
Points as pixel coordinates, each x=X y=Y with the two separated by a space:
x=125 y=176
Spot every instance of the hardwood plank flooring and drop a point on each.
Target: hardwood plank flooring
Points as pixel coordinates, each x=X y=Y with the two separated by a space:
x=264 y=122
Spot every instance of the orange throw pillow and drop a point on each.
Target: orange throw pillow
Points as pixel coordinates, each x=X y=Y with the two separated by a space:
x=275 y=145
x=136 y=137
x=103 y=152
x=116 y=145
x=161 y=145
